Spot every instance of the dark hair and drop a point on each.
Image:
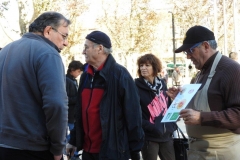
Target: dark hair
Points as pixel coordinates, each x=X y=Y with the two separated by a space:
x=153 y=60
x=47 y=19
x=74 y=65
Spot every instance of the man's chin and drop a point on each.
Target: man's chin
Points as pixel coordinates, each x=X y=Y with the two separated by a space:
x=197 y=67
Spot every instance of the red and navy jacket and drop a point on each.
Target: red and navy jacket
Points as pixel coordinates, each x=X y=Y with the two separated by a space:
x=92 y=93
x=109 y=113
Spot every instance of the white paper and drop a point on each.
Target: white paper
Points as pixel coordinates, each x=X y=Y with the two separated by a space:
x=180 y=102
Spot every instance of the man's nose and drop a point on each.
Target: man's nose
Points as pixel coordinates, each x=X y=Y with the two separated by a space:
x=65 y=42
x=189 y=56
x=84 y=51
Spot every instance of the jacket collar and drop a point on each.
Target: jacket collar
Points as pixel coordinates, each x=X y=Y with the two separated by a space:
x=70 y=76
x=142 y=84
x=41 y=38
x=105 y=68
x=209 y=62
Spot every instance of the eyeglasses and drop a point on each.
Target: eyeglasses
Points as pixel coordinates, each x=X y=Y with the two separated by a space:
x=63 y=36
x=190 y=50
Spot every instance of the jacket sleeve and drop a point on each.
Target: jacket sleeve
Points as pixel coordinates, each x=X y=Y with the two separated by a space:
x=227 y=114
x=51 y=79
x=133 y=114
x=71 y=92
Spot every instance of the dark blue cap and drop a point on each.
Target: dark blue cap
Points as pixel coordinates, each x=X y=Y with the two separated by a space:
x=100 y=38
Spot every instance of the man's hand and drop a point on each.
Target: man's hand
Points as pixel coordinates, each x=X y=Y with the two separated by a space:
x=58 y=157
x=190 y=116
x=173 y=91
x=70 y=149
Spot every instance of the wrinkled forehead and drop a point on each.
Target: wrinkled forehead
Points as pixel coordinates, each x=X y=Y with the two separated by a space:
x=88 y=43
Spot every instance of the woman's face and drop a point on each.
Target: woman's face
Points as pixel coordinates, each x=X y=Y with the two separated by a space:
x=146 y=70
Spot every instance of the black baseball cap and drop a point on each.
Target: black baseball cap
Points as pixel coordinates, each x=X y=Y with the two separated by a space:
x=99 y=38
x=195 y=35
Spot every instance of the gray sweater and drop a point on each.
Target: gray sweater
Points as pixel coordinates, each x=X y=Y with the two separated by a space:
x=33 y=99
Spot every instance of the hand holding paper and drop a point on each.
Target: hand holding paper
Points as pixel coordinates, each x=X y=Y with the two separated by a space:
x=190 y=116
x=185 y=94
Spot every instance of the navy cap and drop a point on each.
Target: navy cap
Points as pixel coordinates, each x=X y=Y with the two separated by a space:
x=99 y=38
x=195 y=35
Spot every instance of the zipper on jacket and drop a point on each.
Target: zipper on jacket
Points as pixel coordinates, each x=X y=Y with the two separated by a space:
x=90 y=99
x=164 y=128
x=91 y=84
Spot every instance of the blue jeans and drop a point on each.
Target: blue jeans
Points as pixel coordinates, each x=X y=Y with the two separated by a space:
x=70 y=127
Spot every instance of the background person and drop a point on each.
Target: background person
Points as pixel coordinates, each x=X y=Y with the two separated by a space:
x=212 y=117
x=154 y=103
x=233 y=56
x=109 y=121
x=75 y=68
x=33 y=99
x=176 y=77
x=164 y=75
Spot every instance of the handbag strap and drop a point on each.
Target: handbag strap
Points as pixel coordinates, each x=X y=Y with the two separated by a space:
x=179 y=130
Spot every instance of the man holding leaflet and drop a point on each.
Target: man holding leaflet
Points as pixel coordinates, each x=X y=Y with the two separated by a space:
x=212 y=117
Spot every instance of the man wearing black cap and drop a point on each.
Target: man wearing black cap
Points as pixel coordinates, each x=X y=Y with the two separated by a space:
x=108 y=123
x=212 y=117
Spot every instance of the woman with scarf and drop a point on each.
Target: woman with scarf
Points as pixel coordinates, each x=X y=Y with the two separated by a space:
x=154 y=103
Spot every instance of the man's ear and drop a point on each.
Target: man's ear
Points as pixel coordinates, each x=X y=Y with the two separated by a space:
x=46 y=31
x=206 y=45
x=101 y=48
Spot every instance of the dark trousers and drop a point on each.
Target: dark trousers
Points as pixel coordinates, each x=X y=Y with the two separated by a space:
x=151 y=150
x=16 y=154
x=90 y=156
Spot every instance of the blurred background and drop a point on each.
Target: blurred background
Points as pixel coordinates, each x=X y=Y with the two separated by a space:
x=136 y=27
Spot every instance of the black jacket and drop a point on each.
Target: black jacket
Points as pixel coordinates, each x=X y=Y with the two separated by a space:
x=157 y=131
x=72 y=93
x=120 y=114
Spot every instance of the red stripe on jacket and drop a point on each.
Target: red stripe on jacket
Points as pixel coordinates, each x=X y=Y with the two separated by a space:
x=91 y=119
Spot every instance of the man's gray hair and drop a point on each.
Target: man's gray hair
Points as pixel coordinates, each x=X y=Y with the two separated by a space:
x=213 y=44
x=107 y=50
x=50 y=18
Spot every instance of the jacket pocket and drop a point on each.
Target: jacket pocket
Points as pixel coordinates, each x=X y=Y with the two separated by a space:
x=168 y=127
x=123 y=146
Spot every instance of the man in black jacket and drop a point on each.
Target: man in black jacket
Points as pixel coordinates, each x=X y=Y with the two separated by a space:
x=109 y=122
